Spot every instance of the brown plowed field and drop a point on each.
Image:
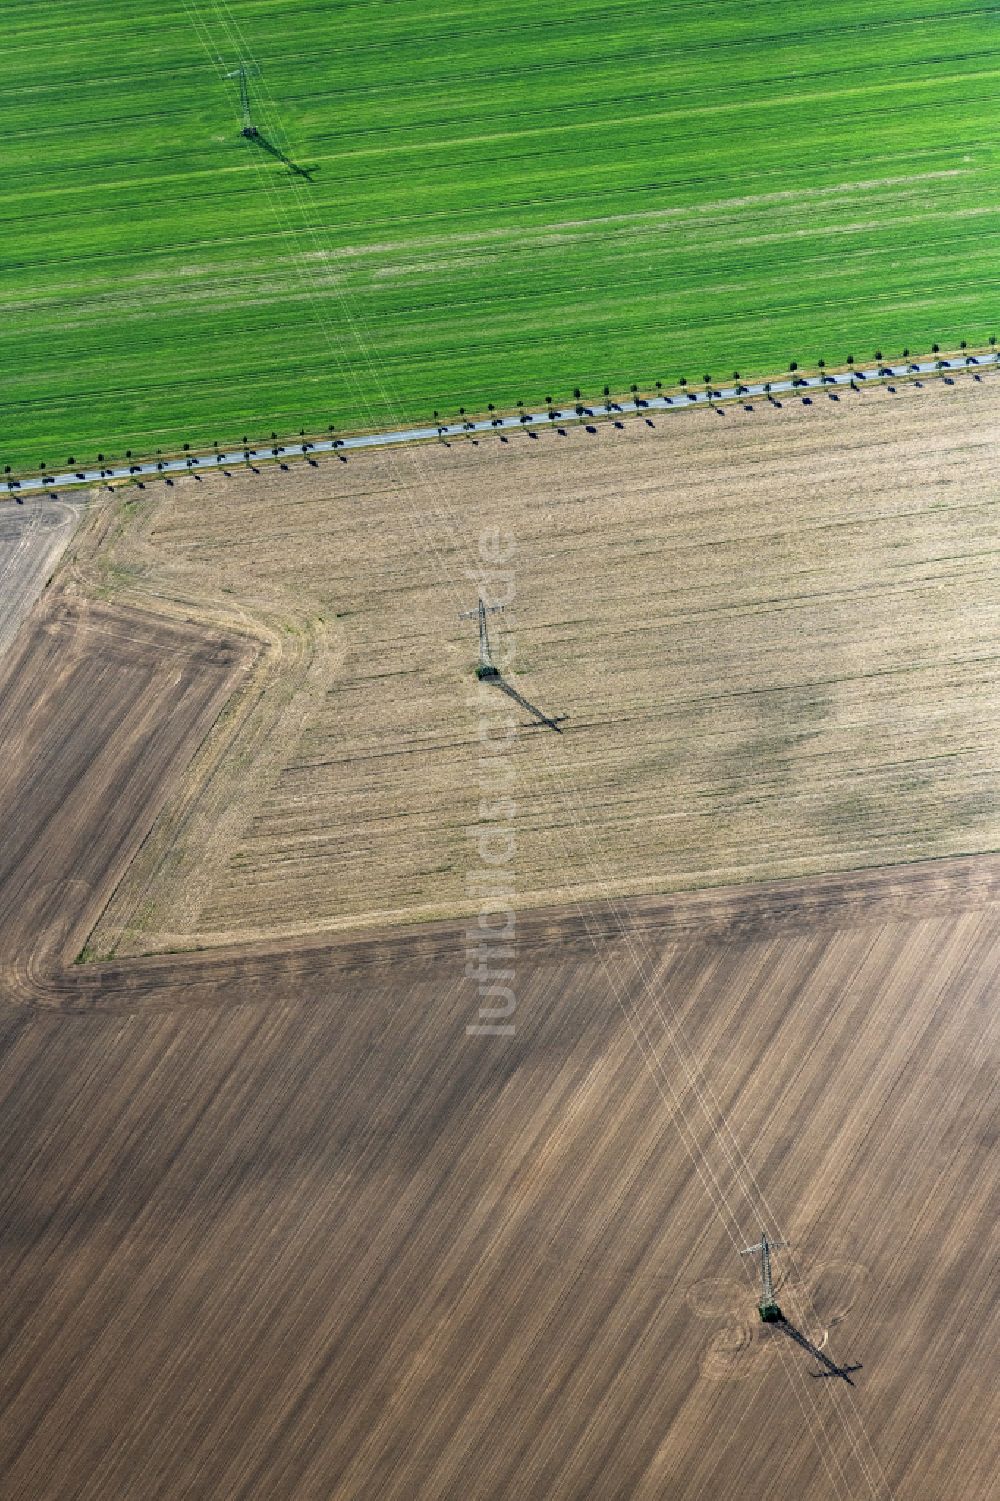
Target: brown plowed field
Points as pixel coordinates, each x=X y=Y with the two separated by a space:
x=283 y=1229
x=775 y=635
x=97 y=707
x=272 y=1225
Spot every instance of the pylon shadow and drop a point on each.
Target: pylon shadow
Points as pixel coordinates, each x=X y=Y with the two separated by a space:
x=265 y=145
x=551 y=721
x=831 y=1368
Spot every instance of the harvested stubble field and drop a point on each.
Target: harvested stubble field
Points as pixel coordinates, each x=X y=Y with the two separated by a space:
x=497 y=207
x=774 y=634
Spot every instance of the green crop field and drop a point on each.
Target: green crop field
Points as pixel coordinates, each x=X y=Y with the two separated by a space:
x=452 y=204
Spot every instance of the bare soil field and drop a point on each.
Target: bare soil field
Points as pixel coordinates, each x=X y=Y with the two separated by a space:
x=774 y=634
x=33 y=536
x=274 y=1225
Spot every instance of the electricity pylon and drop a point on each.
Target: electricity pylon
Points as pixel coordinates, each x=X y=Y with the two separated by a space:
x=769 y=1311
x=487 y=667
x=249 y=128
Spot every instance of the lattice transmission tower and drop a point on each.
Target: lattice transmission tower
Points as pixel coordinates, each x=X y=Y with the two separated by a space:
x=487 y=667
x=769 y=1311
x=242 y=73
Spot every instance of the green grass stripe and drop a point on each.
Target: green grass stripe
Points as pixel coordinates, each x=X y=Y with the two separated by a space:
x=502 y=205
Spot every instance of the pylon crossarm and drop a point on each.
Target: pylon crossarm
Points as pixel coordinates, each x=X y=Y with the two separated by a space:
x=481 y=607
